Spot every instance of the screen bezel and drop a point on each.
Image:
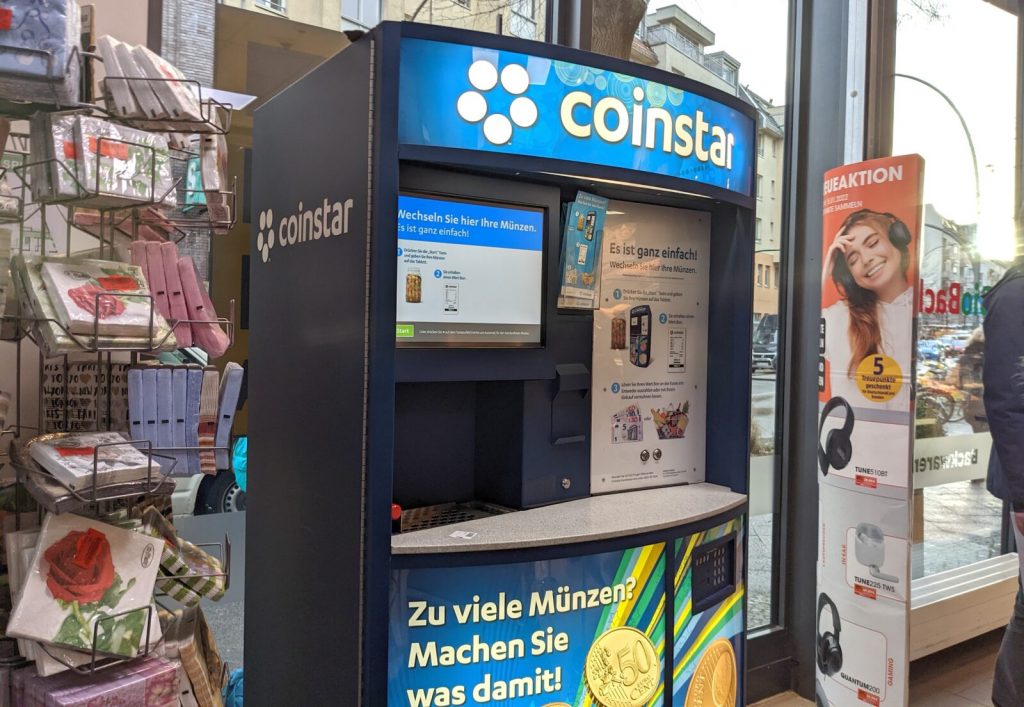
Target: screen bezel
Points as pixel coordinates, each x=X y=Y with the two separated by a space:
x=461 y=198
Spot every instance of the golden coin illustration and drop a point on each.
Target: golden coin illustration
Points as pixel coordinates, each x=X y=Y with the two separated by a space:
x=714 y=681
x=623 y=669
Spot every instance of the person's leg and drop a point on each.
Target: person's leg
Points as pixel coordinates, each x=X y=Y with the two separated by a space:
x=1008 y=684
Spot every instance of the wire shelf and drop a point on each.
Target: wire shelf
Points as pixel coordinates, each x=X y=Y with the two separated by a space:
x=214 y=117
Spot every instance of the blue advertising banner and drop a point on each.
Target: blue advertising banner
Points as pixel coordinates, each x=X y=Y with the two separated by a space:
x=475 y=98
x=580 y=631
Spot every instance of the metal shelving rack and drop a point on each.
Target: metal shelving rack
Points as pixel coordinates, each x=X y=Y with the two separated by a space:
x=113 y=226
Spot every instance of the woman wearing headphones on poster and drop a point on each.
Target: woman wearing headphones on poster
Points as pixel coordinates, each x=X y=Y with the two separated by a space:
x=868 y=262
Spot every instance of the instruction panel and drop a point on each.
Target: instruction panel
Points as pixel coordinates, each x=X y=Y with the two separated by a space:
x=650 y=349
x=469 y=273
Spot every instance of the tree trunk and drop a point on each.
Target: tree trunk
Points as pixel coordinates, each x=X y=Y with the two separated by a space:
x=614 y=23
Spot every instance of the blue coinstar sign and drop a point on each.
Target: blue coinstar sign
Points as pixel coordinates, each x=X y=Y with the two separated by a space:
x=475 y=98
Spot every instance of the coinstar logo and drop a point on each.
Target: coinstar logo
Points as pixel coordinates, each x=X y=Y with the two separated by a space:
x=304 y=226
x=472 y=105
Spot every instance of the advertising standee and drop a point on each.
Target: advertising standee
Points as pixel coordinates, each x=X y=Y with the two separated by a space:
x=872 y=215
x=649 y=409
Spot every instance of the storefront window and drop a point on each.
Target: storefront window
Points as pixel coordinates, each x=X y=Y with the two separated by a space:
x=963 y=122
x=519 y=18
x=757 y=75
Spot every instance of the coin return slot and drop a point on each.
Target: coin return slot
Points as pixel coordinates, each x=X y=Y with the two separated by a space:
x=447 y=514
x=714 y=572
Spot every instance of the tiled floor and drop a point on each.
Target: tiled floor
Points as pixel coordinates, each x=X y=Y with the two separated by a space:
x=958 y=677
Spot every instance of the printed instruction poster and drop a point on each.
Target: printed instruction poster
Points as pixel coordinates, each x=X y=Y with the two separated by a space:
x=650 y=348
x=872 y=220
x=587 y=630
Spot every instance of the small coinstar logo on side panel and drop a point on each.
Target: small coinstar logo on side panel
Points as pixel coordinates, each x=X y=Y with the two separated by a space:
x=304 y=226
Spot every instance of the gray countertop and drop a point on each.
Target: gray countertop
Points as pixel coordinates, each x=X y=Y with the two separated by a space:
x=595 y=518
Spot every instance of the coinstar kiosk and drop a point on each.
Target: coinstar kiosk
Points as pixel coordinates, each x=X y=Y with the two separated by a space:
x=499 y=377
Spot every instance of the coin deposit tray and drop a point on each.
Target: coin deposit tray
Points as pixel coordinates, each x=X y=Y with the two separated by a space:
x=447 y=514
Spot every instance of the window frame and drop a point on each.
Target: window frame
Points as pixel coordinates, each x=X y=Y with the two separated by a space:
x=278 y=6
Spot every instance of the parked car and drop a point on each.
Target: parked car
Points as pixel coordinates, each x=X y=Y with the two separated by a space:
x=765 y=356
x=955 y=343
x=765 y=349
x=205 y=493
x=930 y=350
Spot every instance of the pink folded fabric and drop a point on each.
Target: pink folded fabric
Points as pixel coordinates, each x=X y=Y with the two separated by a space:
x=138 y=251
x=157 y=279
x=148 y=233
x=209 y=337
x=175 y=295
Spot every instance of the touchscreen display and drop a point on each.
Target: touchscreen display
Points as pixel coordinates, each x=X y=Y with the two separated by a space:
x=470 y=273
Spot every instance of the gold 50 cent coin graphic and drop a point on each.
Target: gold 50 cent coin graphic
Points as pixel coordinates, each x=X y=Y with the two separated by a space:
x=623 y=669
x=714 y=680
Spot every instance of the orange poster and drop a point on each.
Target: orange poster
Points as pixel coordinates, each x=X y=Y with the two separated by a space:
x=872 y=215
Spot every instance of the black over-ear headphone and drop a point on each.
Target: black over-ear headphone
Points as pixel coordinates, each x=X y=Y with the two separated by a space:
x=830 y=653
x=838 y=449
x=899 y=234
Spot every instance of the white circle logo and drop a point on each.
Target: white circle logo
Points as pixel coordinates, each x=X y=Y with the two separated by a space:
x=265 y=242
x=472 y=105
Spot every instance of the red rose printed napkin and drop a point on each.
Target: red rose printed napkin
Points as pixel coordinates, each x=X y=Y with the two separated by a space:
x=89 y=583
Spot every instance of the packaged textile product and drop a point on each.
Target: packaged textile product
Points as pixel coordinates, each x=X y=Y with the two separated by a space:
x=85 y=396
x=75 y=459
x=53 y=337
x=84 y=574
x=214 y=164
x=194 y=195
x=39 y=61
x=141 y=89
x=10 y=206
x=56 y=499
x=187 y=572
x=210 y=337
x=100 y=296
x=63 y=151
x=20 y=549
x=190 y=641
x=97 y=163
x=175 y=94
x=120 y=166
x=119 y=99
x=152 y=682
